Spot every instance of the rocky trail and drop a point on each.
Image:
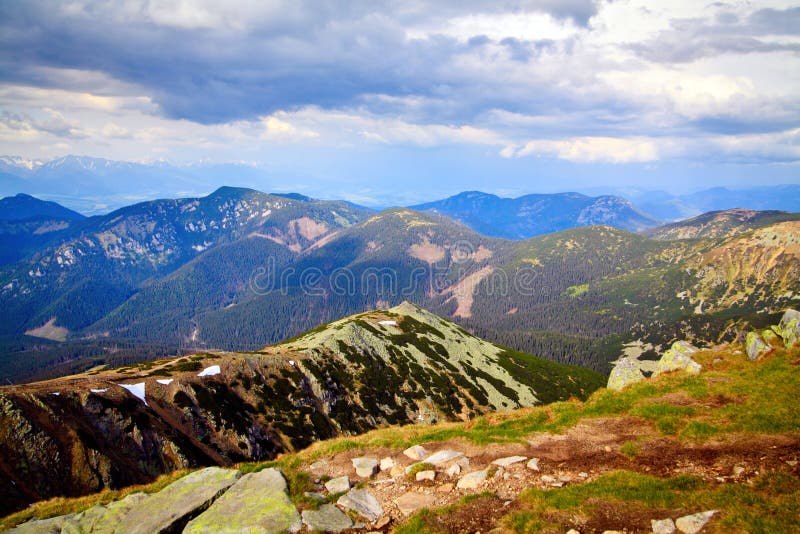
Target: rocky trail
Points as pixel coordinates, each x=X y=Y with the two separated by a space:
x=375 y=490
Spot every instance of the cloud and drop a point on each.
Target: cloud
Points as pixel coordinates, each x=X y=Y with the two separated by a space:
x=589 y=150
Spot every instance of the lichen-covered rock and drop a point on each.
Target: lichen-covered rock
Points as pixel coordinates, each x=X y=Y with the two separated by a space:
x=363 y=503
x=789 y=328
x=679 y=356
x=100 y=519
x=338 y=485
x=163 y=511
x=692 y=524
x=626 y=371
x=257 y=503
x=755 y=346
x=771 y=338
x=327 y=518
x=41 y=526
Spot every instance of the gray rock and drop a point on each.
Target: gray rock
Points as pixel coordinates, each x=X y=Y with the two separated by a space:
x=338 y=485
x=453 y=471
x=363 y=503
x=679 y=356
x=163 y=511
x=386 y=464
x=473 y=480
x=319 y=465
x=509 y=460
x=789 y=328
x=427 y=475
x=533 y=464
x=41 y=526
x=755 y=346
x=327 y=519
x=626 y=371
x=102 y=519
x=663 y=526
x=413 y=501
x=442 y=457
x=692 y=524
x=416 y=453
x=257 y=503
x=365 y=467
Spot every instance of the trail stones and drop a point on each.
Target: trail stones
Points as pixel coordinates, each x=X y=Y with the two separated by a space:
x=338 y=485
x=453 y=471
x=443 y=457
x=473 y=480
x=327 y=519
x=386 y=464
x=257 y=503
x=363 y=503
x=509 y=460
x=365 y=467
x=533 y=464
x=428 y=475
x=164 y=510
x=692 y=524
x=416 y=453
x=413 y=501
x=663 y=526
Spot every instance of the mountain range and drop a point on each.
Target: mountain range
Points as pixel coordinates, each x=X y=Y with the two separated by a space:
x=238 y=270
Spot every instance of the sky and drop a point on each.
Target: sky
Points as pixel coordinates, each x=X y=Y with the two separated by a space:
x=405 y=101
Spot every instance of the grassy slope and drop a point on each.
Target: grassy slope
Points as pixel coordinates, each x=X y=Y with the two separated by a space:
x=757 y=399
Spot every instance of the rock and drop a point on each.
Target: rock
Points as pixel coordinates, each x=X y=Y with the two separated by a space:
x=100 y=518
x=663 y=526
x=382 y=522
x=327 y=519
x=314 y=495
x=463 y=462
x=626 y=371
x=509 y=460
x=365 y=467
x=473 y=480
x=692 y=524
x=453 y=471
x=386 y=464
x=413 y=501
x=547 y=479
x=442 y=457
x=445 y=488
x=426 y=475
x=416 y=453
x=755 y=346
x=319 y=465
x=533 y=464
x=679 y=356
x=257 y=503
x=363 y=503
x=573 y=531
x=52 y=525
x=499 y=472
x=770 y=337
x=738 y=471
x=789 y=328
x=338 y=485
x=162 y=511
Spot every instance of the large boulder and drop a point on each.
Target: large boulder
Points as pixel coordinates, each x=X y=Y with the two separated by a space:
x=257 y=503
x=102 y=518
x=789 y=328
x=755 y=346
x=169 y=509
x=627 y=370
x=679 y=356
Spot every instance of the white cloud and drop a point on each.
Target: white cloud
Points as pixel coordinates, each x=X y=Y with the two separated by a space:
x=589 y=149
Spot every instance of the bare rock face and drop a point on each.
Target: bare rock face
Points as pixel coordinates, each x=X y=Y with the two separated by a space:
x=679 y=356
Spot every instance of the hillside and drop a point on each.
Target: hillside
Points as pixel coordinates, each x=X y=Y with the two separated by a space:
x=710 y=452
x=22 y=206
x=109 y=428
x=532 y=215
x=717 y=224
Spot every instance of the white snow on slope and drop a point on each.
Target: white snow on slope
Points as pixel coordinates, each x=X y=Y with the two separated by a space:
x=210 y=371
x=137 y=390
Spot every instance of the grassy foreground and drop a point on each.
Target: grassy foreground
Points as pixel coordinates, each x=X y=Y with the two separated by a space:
x=732 y=399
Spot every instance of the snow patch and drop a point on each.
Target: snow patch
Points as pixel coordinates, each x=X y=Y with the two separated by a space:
x=388 y=323
x=165 y=381
x=137 y=390
x=210 y=371
x=99 y=390
x=56 y=393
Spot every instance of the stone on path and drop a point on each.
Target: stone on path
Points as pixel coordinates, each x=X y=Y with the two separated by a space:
x=416 y=453
x=165 y=510
x=363 y=503
x=413 y=501
x=257 y=503
x=663 y=526
x=442 y=457
x=426 y=475
x=692 y=524
x=453 y=471
x=387 y=464
x=365 y=467
x=509 y=460
x=533 y=464
x=473 y=480
x=338 y=485
x=327 y=519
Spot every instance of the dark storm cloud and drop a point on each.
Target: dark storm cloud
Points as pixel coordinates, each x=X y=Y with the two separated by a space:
x=328 y=54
